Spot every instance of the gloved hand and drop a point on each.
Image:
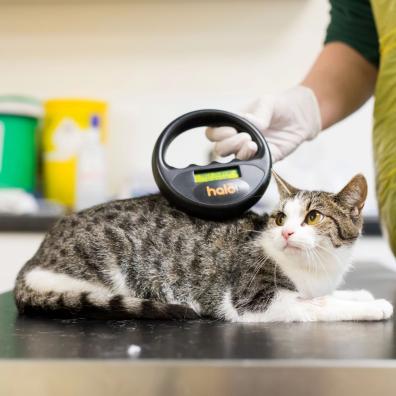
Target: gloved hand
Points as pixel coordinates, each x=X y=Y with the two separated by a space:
x=286 y=121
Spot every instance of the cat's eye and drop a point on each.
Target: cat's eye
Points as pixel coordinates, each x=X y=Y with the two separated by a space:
x=280 y=219
x=313 y=217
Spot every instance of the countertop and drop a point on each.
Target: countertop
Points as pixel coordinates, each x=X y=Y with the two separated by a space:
x=201 y=357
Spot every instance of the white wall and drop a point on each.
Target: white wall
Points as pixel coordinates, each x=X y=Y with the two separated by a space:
x=121 y=50
x=155 y=60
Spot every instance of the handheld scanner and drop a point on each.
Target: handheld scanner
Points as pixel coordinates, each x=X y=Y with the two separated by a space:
x=216 y=191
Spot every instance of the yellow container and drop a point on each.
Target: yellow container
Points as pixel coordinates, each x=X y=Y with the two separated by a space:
x=65 y=122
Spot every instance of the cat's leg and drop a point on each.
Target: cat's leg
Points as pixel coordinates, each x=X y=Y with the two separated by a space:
x=353 y=295
x=287 y=306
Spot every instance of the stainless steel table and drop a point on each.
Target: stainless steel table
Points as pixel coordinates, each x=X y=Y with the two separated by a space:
x=85 y=357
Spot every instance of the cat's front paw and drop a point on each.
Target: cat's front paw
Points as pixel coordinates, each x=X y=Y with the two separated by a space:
x=354 y=295
x=384 y=309
x=362 y=295
x=375 y=310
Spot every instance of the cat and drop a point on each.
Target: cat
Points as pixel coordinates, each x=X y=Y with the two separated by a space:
x=143 y=258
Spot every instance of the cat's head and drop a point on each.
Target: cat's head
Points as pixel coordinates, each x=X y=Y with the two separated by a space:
x=311 y=223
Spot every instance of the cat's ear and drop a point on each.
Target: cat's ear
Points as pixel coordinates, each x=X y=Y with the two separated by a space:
x=284 y=188
x=354 y=194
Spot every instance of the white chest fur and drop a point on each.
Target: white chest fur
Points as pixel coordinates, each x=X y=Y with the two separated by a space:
x=319 y=276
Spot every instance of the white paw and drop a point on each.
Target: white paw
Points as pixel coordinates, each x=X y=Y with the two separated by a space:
x=361 y=295
x=354 y=295
x=386 y=307
x=378 y=310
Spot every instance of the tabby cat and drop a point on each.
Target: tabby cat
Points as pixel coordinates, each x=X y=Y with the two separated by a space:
x=143 y=258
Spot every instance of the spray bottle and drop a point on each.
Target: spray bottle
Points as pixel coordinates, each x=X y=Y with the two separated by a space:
x=91 y=168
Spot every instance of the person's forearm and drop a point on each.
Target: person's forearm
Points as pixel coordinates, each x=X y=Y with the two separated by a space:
x=342 y=81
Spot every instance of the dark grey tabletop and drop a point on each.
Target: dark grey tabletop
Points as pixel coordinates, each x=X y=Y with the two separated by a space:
x=32 y=338
x=207 y=343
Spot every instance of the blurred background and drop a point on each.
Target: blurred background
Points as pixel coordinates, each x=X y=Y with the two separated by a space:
x=102 y=78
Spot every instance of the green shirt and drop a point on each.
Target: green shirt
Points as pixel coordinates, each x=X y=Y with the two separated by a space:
x=352 y=22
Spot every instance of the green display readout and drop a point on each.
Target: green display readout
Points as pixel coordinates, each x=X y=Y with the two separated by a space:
x=224 y=174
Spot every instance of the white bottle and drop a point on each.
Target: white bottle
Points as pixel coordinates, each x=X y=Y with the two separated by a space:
x=91 y=168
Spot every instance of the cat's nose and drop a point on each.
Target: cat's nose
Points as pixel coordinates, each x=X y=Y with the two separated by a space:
x=287 y=233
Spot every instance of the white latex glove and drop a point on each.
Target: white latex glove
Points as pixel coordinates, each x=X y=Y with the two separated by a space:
x=285 y=120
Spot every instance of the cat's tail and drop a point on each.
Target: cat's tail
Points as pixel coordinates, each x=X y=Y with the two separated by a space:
x=46 y=297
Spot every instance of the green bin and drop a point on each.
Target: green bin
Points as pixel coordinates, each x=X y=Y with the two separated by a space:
x=19 y=118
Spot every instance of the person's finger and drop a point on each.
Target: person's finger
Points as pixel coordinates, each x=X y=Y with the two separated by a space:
x=232 y=144
x=247 y=151
x=219 y=134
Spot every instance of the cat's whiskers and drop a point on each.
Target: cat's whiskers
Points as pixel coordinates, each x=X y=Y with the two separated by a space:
x=311 y=259
x=310 y=263
x=305 y=251
x=338 y=261
x=258 y=232
x=319 y=260
x=252 y=242
x=258 y=265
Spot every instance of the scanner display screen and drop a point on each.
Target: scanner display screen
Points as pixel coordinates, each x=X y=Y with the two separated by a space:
x=223 y=174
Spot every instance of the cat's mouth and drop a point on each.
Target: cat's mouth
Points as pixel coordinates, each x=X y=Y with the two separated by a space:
x=289 y=247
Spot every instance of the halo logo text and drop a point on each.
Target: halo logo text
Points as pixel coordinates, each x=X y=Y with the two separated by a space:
x=225 y=189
